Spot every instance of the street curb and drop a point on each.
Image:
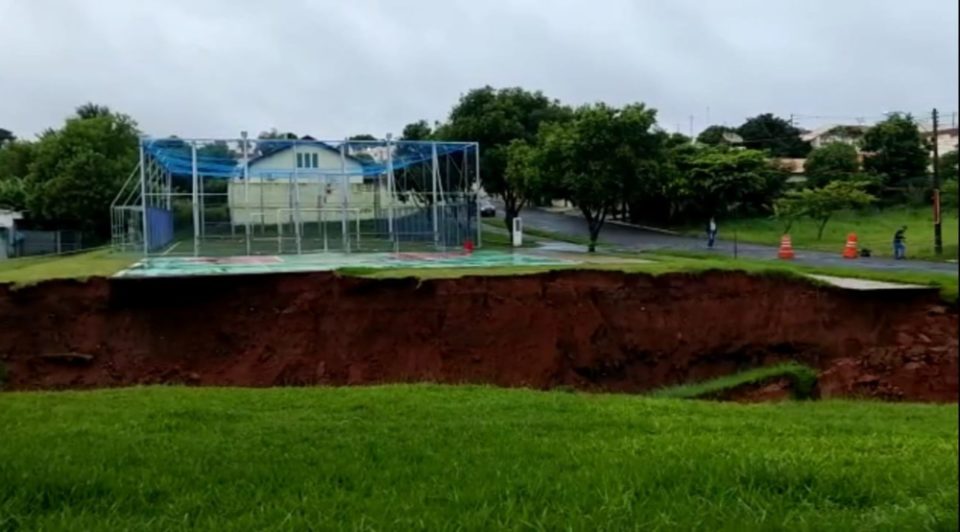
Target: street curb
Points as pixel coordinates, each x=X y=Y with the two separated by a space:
x=624 y=224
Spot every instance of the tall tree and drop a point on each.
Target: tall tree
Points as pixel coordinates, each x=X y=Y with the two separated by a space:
x=836 y=161
x=714 y=135
x=6 y=136
x=713 y=181
x=271 y=141
x=79 y=169
x=362 y=136
x=597 y=158
x=949 y=166
x=92 y=110
x=896 y=150
x=774 y=135
x=494 y=118
x=820 y=204
x=15 y=159
x=523 y=174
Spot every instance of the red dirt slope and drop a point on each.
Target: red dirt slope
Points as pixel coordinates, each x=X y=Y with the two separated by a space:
x=591 y=330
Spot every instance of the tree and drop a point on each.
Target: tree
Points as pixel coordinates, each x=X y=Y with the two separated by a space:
x=13 y=193
x=949 y=166
x=6 y=136
x=362 y=136
x=218 y=150
x=419 y=130
x=494 y=118
x=15 y=159
x=712 y=181
x=837 y=161
x=714 y=135
x=774 y=135
x=897 y=151
x=78 y=170
x=598 y=157
x=820 y=204
x=272 y=141
x=92 y=110
x=522 y=174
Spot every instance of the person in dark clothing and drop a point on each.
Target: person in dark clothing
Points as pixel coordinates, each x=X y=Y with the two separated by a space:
x=900 y=244
x=711 y=233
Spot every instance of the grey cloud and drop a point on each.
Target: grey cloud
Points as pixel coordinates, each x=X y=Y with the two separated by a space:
x=333 y=68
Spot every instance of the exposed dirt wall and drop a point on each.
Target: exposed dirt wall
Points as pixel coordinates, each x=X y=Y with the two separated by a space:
x=590 y=330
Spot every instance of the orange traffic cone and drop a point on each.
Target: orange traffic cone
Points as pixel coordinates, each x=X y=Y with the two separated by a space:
x=786 y=248
x=850 y=250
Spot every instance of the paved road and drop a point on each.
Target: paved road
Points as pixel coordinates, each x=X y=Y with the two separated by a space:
x=642 y=240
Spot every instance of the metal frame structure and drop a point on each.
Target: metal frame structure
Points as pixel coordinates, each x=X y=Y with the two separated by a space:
x=205 y=197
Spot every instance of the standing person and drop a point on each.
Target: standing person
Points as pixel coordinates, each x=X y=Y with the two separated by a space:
x=899 y=244
x=711 y=233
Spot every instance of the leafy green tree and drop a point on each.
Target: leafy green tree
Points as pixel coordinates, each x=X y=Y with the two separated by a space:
x=419 y=130
x=820 y=204
x=15 y=159
x=897 y=151
x=774 y=135
x=713 y=181
x=218 y=150
x=598 y=157
x=714 y=135
x=92 y=110
x=270 y=145
x=523 y=174
x=836 y=161
x=77 y=170
x=6 y=136
x=949 y=166
x=494 y=118
x=13 y=193
x=362 y=136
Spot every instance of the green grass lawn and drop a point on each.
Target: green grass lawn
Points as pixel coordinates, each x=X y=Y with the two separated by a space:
x=874 y=230
x=423 y=457
x=101 y=262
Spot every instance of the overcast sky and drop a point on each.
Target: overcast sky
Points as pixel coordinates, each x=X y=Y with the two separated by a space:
x=330 y=68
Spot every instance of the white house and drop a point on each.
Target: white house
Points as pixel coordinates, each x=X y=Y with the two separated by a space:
x=848 y=134
x=8 y=221
x=311 y=175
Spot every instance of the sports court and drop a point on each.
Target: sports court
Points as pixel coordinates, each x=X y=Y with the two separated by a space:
x=173 y=266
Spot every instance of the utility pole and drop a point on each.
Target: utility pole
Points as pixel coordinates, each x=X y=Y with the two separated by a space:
x=937 y=234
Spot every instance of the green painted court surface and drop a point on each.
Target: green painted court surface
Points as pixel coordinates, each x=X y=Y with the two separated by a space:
x=190 y=266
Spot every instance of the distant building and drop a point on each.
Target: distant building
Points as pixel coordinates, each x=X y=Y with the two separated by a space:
x=847 y=134
x=8 y=223
x=946 y=138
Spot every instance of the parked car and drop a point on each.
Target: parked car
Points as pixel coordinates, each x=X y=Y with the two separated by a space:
x=487 y=210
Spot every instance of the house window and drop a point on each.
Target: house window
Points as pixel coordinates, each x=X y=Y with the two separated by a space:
x=308 y=160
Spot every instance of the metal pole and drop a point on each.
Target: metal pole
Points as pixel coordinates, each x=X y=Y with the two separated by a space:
x=143 y=199
x=434 y=183
x=203 y=208
x=345 y=184
x=937 y=226
x=194 y=198
x=390 y=185
x=246 y=189
x=296 y=196
x=476 y=155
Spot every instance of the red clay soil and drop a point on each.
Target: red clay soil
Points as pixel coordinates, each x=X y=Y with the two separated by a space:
x=590 y=330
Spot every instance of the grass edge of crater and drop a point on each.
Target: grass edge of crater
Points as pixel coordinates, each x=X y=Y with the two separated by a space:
x=802 y=378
